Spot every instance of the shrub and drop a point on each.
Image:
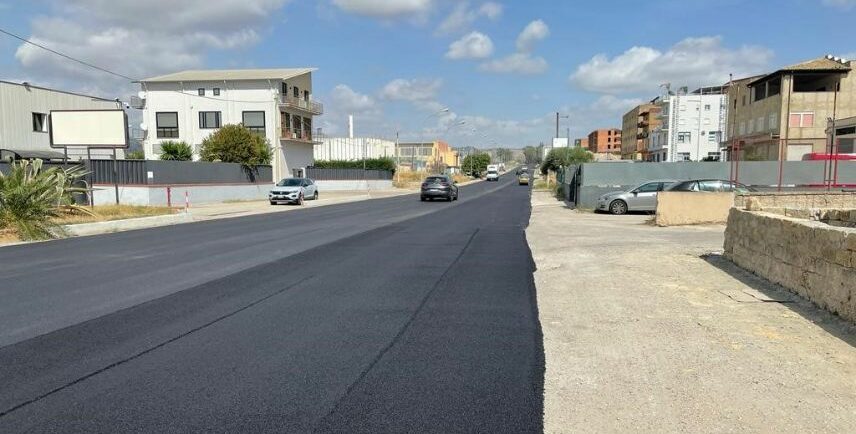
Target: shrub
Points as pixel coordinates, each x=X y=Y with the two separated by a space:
x=384 y=163
x=176 y=151
x=31 y=197
x=135 y=155
x=475 y=164
x=236 y=144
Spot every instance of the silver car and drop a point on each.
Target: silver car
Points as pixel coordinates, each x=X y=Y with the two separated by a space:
x=640 y=198
x=293 y=190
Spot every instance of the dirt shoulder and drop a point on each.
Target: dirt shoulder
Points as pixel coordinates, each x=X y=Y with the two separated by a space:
x=642 y=333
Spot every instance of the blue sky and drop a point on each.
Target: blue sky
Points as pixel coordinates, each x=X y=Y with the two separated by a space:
x=501 y=67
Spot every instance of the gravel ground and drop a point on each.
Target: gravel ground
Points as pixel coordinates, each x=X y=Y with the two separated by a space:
x=643 y=332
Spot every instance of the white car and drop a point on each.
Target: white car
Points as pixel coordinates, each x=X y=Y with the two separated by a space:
x=293 y=190
x=492 y=175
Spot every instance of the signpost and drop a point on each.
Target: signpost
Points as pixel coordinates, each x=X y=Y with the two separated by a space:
x=92 y=129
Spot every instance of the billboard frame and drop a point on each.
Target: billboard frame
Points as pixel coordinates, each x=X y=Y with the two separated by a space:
x=125 y=145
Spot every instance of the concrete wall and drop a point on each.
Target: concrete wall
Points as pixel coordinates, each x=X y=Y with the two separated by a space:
x=811 y=258
x=353 y=185
x=675 y=208
x=198 y=194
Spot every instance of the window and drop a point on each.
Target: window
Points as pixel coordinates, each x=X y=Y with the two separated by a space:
x=201 y=91
x=707 y=107
x=40 y=122
x=683 y=156
x=306 y=95
x=773 y=120
x=297 y=127
x=209 y=120
x=651 y=187
x=216 y=91
x=296 y=92
x=684 y=137
x=255 y=121
x=167 y=125
x=711 y=186
x=714 y=156
x=712 y=136
x=760 y=124
x=801 y=120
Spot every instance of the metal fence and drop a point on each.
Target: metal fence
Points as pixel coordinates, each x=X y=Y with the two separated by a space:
x=128 y=172
x=319 y=174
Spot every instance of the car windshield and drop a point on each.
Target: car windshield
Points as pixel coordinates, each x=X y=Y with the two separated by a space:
x=435 y=179
x=290 y=182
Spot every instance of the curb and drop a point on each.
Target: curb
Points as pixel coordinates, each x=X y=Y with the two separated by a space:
x=84 y=229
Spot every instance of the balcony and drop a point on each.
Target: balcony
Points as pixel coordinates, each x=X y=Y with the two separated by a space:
x=311 y=107
x=298 y=136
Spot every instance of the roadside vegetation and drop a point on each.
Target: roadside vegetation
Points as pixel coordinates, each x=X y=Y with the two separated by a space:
x=236 y=144
x=105 y=213
x=475 y=164
x=384 y=163
x=559 y=158
x=176 y=151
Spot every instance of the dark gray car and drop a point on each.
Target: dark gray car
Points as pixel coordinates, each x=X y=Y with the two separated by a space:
x=439 y=187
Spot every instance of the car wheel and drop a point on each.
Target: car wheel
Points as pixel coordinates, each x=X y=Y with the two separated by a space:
x=450 y=198
x=457 y=195
x=300 y=199
x=315 y=196
x=423 y=199
x=272 y=202
x=618 y=207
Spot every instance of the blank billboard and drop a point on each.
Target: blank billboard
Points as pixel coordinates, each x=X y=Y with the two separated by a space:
x=93 y=128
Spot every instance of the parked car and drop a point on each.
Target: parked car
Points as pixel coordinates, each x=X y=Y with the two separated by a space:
x=523 y=178
x=640 y=198
x=293 y=190
x=492 y=175
x=711 y=185
x=439 y=186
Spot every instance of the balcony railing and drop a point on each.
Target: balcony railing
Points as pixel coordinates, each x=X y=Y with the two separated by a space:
x=315 y=108
x=297 y=135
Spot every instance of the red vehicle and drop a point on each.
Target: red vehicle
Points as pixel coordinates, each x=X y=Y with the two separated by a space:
x=817 y=156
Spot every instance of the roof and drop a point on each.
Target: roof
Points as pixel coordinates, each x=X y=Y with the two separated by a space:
x=828 y=64
x=230 y=75
x=28 y=85
x=31 y=154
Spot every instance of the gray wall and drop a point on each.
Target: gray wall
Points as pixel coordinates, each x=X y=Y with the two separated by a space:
x=320 y=174
x=595 y=179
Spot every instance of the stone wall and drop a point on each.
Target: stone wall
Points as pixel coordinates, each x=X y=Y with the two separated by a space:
x=811 y=258
x=796 y=200
x=675 y=208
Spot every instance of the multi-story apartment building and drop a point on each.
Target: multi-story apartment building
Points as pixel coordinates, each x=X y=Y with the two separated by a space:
x=605 y=141
x=581 y=143
x=24 y=123
x=691 y=126
x=783 y=115
x=275 y=103
x=636 y=128
x=436 y=156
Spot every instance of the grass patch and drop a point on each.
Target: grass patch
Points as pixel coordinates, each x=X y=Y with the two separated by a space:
x=113 y=212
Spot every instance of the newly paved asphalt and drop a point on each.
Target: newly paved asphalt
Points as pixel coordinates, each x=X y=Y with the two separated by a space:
x=382 y=316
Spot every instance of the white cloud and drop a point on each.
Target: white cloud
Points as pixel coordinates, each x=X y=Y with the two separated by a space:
x=535 y=31
x=386 y=8
x=842 y=4
x=517 y=63
x=462 y=17
x=613 y=105
x=692 y=62
x=136 y=38
x=472 y=46
x=411 y=90
x=345 y=99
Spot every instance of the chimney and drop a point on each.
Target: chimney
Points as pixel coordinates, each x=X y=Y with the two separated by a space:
x=351 y=126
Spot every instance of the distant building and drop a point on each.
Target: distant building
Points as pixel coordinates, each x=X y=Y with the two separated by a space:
x=605 y=141
x=581 y=143
x=783 y=115
x=275 y=103
x=435 y=156
x=637 y=125
x=24 y=124
x=691 y=126
x=350 y=149
x=843 y=135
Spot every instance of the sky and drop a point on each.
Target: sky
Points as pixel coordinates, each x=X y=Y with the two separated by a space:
x=474 y=73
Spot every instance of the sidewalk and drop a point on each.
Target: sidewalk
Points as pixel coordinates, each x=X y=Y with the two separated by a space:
x=240 y=209
x=641 y=333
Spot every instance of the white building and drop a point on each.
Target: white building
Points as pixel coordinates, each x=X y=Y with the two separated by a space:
x=353 y=148
x=24 y=110
x=692 y=126
x=276 y=103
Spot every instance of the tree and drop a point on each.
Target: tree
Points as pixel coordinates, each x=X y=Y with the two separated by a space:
x=176 y=151
x=532 y=154
x=236 y=144
x=504 y=155
x=565 y=157
x=476 y=163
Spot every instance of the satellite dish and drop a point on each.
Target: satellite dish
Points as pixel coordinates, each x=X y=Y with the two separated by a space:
x=144 y=127
x=142 y=94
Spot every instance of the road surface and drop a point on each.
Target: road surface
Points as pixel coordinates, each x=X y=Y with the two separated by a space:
x=381 y=316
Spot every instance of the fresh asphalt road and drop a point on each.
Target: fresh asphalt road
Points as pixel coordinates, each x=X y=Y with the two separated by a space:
x=388 y=315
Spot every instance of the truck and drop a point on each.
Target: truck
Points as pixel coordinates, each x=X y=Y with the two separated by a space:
x=492 y=172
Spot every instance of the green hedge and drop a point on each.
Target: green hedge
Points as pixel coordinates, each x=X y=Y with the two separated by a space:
x=371 y=164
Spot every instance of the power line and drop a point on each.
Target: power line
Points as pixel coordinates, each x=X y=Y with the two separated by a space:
x=105 y=70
